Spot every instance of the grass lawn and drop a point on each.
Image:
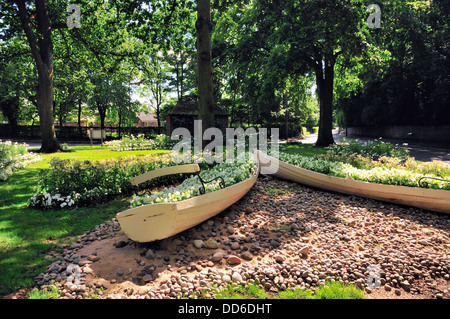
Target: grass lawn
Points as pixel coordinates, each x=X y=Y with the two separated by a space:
x=304 y=149
x=328 y=290
x=28 y=235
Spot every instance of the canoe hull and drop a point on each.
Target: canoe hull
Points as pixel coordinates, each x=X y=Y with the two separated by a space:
x=158 y=221
x=431 y=199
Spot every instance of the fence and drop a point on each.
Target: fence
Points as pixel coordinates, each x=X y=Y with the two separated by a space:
x=72 y=133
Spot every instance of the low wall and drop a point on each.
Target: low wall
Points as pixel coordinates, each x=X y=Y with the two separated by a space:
x=431 y=134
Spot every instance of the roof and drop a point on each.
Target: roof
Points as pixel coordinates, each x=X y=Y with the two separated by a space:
x=190 y=107
x=146 y=117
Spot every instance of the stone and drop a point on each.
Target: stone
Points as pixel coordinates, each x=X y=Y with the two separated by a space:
x=233 y=260
x=150 y=254
x=230 y=230
x=304 y=250
x=406 y=286
x=198 y=243
x=217 y=257
x=147 y=278
x=93 y=258
x=235 y=246
x=226 y=278
x=279 y=258
x=236 y=277
x=121 y=244
x=211 y=244
x=176 y=242
x=247 y=256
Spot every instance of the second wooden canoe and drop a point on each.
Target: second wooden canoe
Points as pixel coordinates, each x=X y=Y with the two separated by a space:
x=431 y=199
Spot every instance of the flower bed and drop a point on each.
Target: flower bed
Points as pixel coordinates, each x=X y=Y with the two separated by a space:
x=71 y=182
x=232 y=173
x=14 y=156
x=134 y=143
x=370 y=149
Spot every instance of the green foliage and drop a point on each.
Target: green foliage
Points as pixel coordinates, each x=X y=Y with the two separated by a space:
x=48 y=292
x=251 y=291
x=372 y=149
x=14 y=156
x=70 y=183
x=328 y=290
x=229 y=173
x=349 y=163
x=404 y=80
x=133 y=143
x=9 y=149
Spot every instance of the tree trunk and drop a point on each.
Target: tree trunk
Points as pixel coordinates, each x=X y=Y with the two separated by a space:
x=79 y=119
x=102 y=113
x=325 y=80
x=45 y=107
x=120 y=122
x=286 y=117
x=42 y=51
x=204 y=66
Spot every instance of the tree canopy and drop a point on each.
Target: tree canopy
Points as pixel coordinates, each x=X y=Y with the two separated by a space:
x=291 y=64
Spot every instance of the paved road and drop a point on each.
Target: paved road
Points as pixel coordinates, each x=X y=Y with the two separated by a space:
x=420 y=151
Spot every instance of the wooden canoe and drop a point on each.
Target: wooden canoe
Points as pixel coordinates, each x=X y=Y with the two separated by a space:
x=431 y=199
x=162 y=220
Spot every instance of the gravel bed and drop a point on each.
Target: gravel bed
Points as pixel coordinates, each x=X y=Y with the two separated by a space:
x=281 y=235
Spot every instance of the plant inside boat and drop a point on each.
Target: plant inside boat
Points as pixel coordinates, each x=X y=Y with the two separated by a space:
x=232 y=173
x=383 y=174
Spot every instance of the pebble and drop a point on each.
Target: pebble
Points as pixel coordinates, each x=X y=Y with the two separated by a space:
x=304 y=250
x=198 y=243
x=279 y=258
x=217 y=257
x=233 y=260
x=211 y=244
x=247 y=256
x=236 y=277
x=400 y=247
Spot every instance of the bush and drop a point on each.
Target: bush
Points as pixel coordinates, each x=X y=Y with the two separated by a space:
x=14 y=156
x=372 y=149
x=382 y=155
x=71 y=182
x=139 y=142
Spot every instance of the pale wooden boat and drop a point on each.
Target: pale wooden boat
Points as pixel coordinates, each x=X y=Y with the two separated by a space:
x=431 y=199
x=162 y=220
